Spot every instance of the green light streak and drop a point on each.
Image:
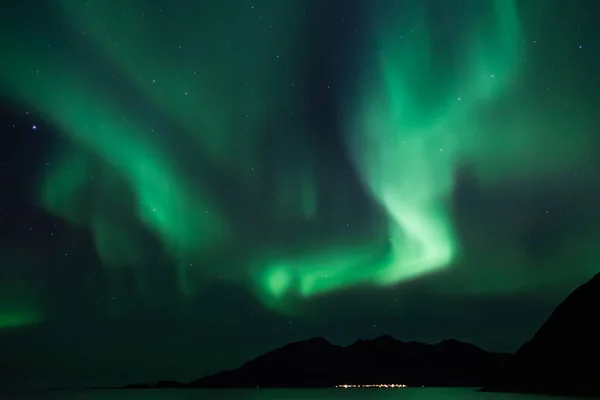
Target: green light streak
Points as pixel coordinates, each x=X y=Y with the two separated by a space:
x=19 y=305
x=18 y=319
x=412 y=133
x=236 y=87
x=420 y=113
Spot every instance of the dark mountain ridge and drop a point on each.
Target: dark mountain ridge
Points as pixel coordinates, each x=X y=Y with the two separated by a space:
x=317 y=363
x=561 y=359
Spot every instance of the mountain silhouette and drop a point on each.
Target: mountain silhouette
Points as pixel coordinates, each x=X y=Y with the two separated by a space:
x=317 y=363
x=562 y=357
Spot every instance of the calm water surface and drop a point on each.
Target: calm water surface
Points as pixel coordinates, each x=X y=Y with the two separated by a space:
x=274 y=394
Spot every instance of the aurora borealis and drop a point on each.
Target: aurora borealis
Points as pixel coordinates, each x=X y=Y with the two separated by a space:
x=186 y=184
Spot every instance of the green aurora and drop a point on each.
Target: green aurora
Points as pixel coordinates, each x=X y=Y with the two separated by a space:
x=169 y=135
x=407 y=135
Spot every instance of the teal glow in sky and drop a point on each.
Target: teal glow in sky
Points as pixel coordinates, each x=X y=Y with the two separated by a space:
x=298 y=156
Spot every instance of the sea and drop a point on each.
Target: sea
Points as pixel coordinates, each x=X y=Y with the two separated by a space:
x=274 y=394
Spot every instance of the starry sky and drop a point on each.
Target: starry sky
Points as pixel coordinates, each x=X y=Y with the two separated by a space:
x=187 y=184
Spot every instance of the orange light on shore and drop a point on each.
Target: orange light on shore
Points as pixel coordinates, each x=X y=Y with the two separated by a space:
x=381 y=385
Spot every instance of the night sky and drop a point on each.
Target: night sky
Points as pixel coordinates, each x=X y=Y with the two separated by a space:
x=185 y=185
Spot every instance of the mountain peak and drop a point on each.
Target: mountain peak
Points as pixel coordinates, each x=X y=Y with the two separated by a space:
x=316 y=341
x=385 y=338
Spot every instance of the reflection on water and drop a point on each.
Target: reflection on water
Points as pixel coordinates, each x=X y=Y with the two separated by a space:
x=274 y=394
